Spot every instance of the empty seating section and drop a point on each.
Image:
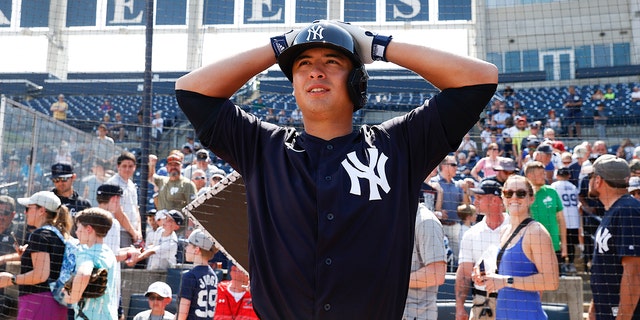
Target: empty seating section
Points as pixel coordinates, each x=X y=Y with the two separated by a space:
x=536 y=104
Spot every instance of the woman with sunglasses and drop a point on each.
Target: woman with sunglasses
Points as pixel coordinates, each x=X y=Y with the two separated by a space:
x=41 y=261
x=486 y=164
x=527 y=264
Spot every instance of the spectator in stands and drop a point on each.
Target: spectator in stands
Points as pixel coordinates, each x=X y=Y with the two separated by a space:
x=203 y=162
x=634 y=166
x=626 y=149
x=528 y=264
x=157 y=126
x=467 y=144
x=199 y=178
x=41 y=261
x=517 y=109
x=103 y=147
x=174 y=191
x=139 y=128
x=455 y=193
x=501 y=116
x=118 y=130
x=505 y=168
x=634 y=187
x=162 y=254
x=609 y=95
x=468 y=216
x=600 y=121
x=544 y=154
x=64 y=154
x=484 y=167
x=105 y=107
x=464 y=169
x=581 y=155
x=152 y=225
x=283 y=119
x=615 y=265
x=554 y=122
x=472 y=158
x=92 y=226
x=296 y=117
x=597 y=95
x=9 y=248
x=159 y=295
x=200 y=281
x=573 y=104
x=599 y=148
x=473 y=250
x=189 y=156
x=431 y=194
x=569 y=195
x=485 y=137
x=635 y=94
x=98 y=178
x=520 y=133
x=547 y=208
x=59 y=108
x=270 y=116
x=428 y=267
x=234 y=297
x=63 y=178
x=126 y=167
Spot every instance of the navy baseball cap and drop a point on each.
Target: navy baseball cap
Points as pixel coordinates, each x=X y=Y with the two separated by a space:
x=61 y=170
x=110 y=190
x=176 y=216
x=545 y=148
x=488 y=187
x=564 y=171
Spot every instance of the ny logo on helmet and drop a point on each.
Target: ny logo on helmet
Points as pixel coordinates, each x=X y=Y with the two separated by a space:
x=315 y=33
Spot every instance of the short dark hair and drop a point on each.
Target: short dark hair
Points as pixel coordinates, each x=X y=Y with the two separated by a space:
x=99 y=219
x=126 y=156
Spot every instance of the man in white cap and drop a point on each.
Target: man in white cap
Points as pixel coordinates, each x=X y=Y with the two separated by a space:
x=615 y=264
x=159 y=296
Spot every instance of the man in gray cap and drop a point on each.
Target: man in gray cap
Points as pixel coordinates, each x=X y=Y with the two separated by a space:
x=63 y=178
x=505 y=168
x=488 y=202
x=615 y=264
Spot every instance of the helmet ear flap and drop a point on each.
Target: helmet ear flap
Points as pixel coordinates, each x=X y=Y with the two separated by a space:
x=357 y=86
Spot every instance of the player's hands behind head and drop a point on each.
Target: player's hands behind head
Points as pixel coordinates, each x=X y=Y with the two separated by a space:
x=371 y=46
x=281 y=42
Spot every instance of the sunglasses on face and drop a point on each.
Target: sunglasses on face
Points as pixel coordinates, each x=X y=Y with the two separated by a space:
x=199 y=178
x=155 y=297
x=56 y=180
x=452 y=164
x=520 y=193
x=6 y=213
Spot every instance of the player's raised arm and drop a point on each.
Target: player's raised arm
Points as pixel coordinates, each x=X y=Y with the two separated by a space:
x=443 y=69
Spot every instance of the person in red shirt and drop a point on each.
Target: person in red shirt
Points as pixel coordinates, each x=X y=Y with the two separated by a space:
x=234 y=297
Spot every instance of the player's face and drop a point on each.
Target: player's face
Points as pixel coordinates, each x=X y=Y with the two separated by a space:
x=319 y=81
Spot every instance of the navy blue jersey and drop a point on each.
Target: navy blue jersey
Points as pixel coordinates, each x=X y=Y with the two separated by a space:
x=331 y=223
x=617 y=237
x=200 y=286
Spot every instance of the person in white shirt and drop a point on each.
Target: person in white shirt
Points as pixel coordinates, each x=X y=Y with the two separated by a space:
x=480 y=244
x=569 y=195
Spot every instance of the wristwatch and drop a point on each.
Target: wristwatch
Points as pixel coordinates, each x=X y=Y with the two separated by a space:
x=13 y=279
x=510 y=282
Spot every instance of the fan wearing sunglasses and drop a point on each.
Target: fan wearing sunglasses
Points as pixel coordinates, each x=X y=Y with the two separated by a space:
x=527 y=263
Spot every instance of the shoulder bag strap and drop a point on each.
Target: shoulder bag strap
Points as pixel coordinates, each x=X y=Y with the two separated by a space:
x=522 y=224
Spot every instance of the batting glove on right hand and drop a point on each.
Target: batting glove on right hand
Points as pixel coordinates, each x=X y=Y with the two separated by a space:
x=281 y=42
x=371 y=46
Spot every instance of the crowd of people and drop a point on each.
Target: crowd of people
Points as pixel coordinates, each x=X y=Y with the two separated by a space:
x=507 y=224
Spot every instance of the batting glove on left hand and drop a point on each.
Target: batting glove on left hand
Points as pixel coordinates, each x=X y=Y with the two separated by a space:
x=281 y=42
x=371 y=46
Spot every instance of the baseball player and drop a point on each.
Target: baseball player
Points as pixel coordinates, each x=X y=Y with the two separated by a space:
x=332 y=210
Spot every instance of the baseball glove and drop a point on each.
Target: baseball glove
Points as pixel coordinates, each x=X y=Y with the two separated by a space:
x=97 y=284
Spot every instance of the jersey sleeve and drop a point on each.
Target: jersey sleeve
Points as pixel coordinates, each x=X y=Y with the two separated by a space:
x=430 y=241
x=188 y=286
